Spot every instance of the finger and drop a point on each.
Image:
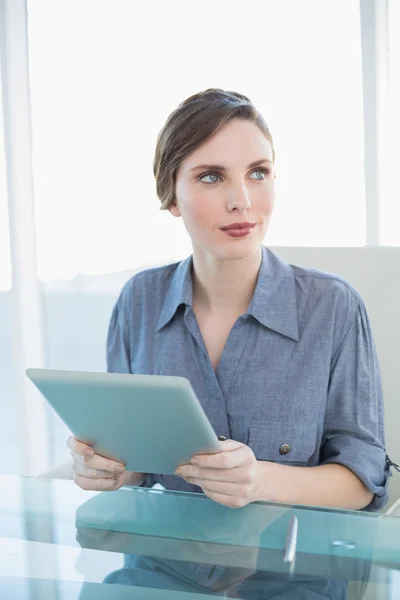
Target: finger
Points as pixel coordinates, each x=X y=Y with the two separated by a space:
x=218 y=487
x=227 y=459
x=100 y=463
x=229 y=445
x=79 y=447
x=230 y=501
x=80 y=469
x=103 y=464
x=228 y=494
x=96 y=484
x=235 y=475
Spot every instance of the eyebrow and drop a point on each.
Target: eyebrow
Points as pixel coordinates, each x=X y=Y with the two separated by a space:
x=221 y=168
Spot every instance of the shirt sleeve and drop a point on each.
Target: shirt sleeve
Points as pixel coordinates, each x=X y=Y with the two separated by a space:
x=118 y=345
x=118 y=350
x=353 y=429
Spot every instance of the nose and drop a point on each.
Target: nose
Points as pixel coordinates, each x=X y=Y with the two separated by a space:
x=238 y=199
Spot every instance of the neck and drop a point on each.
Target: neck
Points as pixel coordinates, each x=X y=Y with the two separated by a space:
x=226 y=286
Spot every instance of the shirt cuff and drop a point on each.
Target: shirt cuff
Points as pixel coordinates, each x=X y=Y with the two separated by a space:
x=366 y=461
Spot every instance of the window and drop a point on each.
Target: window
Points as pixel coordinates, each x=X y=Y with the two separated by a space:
x=104 y=76
x=5 y=258
x=8 y=461
x=390 y=200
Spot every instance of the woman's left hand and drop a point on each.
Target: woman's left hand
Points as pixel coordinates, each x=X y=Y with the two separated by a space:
x=229 y=477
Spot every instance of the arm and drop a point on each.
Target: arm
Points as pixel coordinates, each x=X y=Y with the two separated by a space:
x=235 y=477
x=330 y=485
x=353 y=472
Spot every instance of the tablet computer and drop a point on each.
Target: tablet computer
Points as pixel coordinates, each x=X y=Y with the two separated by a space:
x=149 y=423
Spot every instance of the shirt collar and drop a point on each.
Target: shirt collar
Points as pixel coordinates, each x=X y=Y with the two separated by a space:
x=180 y=292
x=274 y=302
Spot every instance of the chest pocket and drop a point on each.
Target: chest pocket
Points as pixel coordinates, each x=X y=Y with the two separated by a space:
x=284 y=443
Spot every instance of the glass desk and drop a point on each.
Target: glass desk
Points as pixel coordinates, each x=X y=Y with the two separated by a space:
x=59 y=542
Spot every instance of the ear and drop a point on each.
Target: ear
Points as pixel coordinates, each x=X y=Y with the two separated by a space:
x=174 y=210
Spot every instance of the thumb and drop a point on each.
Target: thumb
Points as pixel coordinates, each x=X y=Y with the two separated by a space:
x=229 y=445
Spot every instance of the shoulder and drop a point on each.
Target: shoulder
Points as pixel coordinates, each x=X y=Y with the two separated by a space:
x=331 y=303
x=327 y=286
x=314 y=286
x=155 y=279
x=146 y=287
x=325 y=301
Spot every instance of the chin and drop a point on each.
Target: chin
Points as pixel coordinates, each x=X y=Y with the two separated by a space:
x=238 y=250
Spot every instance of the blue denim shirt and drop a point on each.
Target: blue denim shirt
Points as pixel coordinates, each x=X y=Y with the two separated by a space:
x=299 y=368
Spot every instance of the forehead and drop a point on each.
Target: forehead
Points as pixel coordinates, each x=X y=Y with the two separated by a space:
x=238 y=143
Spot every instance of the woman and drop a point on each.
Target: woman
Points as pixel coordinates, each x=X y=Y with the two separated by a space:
x=281 y=357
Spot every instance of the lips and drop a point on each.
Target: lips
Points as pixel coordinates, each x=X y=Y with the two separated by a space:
x=238 y=226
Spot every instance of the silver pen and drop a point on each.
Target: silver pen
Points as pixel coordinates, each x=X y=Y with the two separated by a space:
x=289 y=552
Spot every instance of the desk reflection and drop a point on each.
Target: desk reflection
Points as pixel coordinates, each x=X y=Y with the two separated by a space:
x=214 y=580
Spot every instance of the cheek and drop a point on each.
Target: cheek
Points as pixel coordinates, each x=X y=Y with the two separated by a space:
x=262 y=201
x=271 y=203
x=199 y=210
x=196 y=207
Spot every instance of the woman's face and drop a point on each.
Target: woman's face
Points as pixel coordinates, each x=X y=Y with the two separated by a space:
x=229 y=179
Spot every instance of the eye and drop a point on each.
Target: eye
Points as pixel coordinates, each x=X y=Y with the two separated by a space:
x=213 y=177
x=260 y=173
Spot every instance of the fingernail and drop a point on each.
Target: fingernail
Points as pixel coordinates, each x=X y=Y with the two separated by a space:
x=88 y=452
x=120 y=469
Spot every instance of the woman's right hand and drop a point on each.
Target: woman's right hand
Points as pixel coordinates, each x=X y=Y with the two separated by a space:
x=94 y=472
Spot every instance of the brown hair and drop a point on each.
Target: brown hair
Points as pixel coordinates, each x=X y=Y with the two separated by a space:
x=190 y=125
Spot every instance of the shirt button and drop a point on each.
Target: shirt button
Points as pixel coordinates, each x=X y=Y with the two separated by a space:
x=284 y=449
